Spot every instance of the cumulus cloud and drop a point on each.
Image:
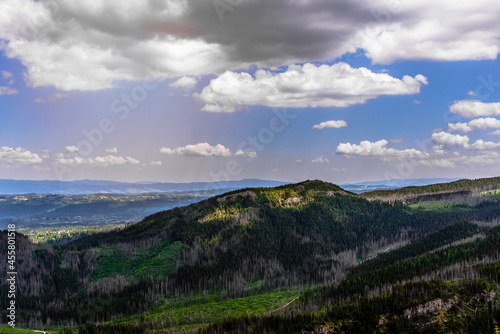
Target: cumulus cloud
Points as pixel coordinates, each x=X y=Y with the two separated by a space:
x=300 y=86
x=8 y=90
x=206 y=150
x=89 y=45
x=330 y=124
x=320 y=160
x=444 y=139
x=437 y=158
x=46 y=154
x=455 y=160
x=185 y=83
x=112 y=150
x=475 y=124
x=433 y=29
x=71 y=148
x=461 y=127
x=485 y=123
x=475 y=108
x=52 y=98
x=198 y=150
x=241 y=153
x=483 y=145
x=448 y=139
x=378 y=148
x=18 y=156
x=99 y=161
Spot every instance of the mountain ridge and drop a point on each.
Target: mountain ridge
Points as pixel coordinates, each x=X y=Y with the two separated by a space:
x=9 y=186
x=308 y=237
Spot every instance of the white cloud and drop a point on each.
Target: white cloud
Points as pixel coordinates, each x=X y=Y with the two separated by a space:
x=461 y=127
x=8 y=90
x=6 y=74
x=320 y=160
x=198 y=150
x=18 y=156
x=496 y=132
x=485 y=123
x=99 y=161
x=483 y=145
x=457 y=160
x=485 y=158
x=443 y=163
x=185 y=83
x=52 y=98
x=445 y=139
x=89 y=45
x=433 y=29
x=438 y=158
x=330 y=124
x=71 y=149
x=112 y=150
x=155 y=163
x=338 y=85
x=471 y=93
x=378 y=148
x=448 y=139
x=250 y=154
x=46 y=154
x=475 y=108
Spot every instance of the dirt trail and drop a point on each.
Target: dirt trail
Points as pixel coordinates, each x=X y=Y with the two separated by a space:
x=282 y=307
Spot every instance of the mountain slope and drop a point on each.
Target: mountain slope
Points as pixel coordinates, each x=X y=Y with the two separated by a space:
x=456 y=190
x=241 y=243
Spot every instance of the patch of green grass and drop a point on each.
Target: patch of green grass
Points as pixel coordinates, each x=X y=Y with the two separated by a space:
x=159 y=263
x=441 y=207
x=491 y=192
x=9 y=330
x=202 y=309
x=157 y=260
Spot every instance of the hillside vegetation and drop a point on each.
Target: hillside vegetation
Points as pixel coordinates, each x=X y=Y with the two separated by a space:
x=255 y=255
x=457 y=190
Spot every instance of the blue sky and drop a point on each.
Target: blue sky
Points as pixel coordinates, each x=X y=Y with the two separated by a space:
x=180 y=90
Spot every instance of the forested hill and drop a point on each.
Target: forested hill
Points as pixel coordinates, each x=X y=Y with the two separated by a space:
x=291 y=235
x=440 y=191
x=300 y=233
x=240 y=244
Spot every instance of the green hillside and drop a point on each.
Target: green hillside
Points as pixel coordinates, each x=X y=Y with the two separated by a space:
x=439 y=191
x=258 y=254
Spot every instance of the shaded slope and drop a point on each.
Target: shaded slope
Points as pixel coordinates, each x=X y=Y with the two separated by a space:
x=440 y=191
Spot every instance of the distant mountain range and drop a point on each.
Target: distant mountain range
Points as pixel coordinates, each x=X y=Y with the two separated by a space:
x=112 y=187
x=393 y=184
